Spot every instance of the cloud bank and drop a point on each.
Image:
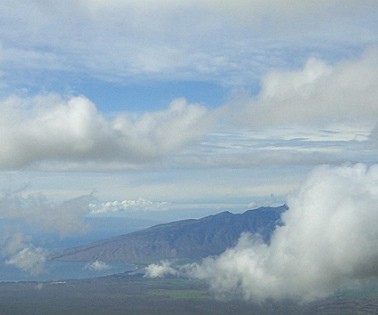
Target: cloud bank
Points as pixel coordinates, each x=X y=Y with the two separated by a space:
x=48 y=128
x=329 y=241
x=52 y=132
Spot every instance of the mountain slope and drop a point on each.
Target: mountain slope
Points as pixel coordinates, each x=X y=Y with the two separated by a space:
x=186 y=239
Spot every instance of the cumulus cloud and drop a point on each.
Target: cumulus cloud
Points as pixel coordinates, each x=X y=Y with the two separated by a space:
x=49 y=128
x=43 y=214
x=126 y=206
x=29 y=259
x=318 y=95
x=97 y=265
x=23 y=255
x=329 y=241
x=160 y=270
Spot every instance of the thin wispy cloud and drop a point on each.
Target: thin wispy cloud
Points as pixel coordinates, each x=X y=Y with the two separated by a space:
x=44 y=214
x=179 y=40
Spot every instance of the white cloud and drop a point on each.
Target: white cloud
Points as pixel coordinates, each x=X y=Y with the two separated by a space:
x=48 y=128
x=160 y=270
x=319 y=95
x=97 y=265
x=126 y=206
x=157 y=133
x=29 y=259
x=24 y=255
x=329 y=241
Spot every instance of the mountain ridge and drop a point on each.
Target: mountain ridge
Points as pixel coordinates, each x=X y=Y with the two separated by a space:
x=184 y=239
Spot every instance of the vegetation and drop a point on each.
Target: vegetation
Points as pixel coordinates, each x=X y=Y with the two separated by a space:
x=180 y=294
x=126 y=294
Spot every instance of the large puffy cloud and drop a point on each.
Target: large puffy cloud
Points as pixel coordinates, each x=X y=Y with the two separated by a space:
x=48 y=128
x=329 y=241
x=340 y=96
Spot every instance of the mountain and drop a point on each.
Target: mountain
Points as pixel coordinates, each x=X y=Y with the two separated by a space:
x=186 y=239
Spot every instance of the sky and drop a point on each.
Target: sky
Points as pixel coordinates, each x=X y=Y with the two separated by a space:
x=173 y=109
x=192 y=104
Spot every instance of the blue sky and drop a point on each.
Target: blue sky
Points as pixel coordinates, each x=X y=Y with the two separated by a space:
x=200 y=106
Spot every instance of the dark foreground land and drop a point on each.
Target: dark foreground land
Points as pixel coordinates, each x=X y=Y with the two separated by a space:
x=133 y=294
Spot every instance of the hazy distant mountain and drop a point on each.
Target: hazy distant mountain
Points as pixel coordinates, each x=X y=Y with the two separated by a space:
x=186 y=239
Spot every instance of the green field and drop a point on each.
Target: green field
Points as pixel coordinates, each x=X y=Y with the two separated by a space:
x=180 y=294
x=125 y=294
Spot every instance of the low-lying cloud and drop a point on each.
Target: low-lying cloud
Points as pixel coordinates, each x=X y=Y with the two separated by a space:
x=30 y=259
x=23 y=255
x=97 y=265
x=161 y=270
x=329 y=241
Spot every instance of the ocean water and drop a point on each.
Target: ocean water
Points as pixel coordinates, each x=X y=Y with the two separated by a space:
x=61 y=270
